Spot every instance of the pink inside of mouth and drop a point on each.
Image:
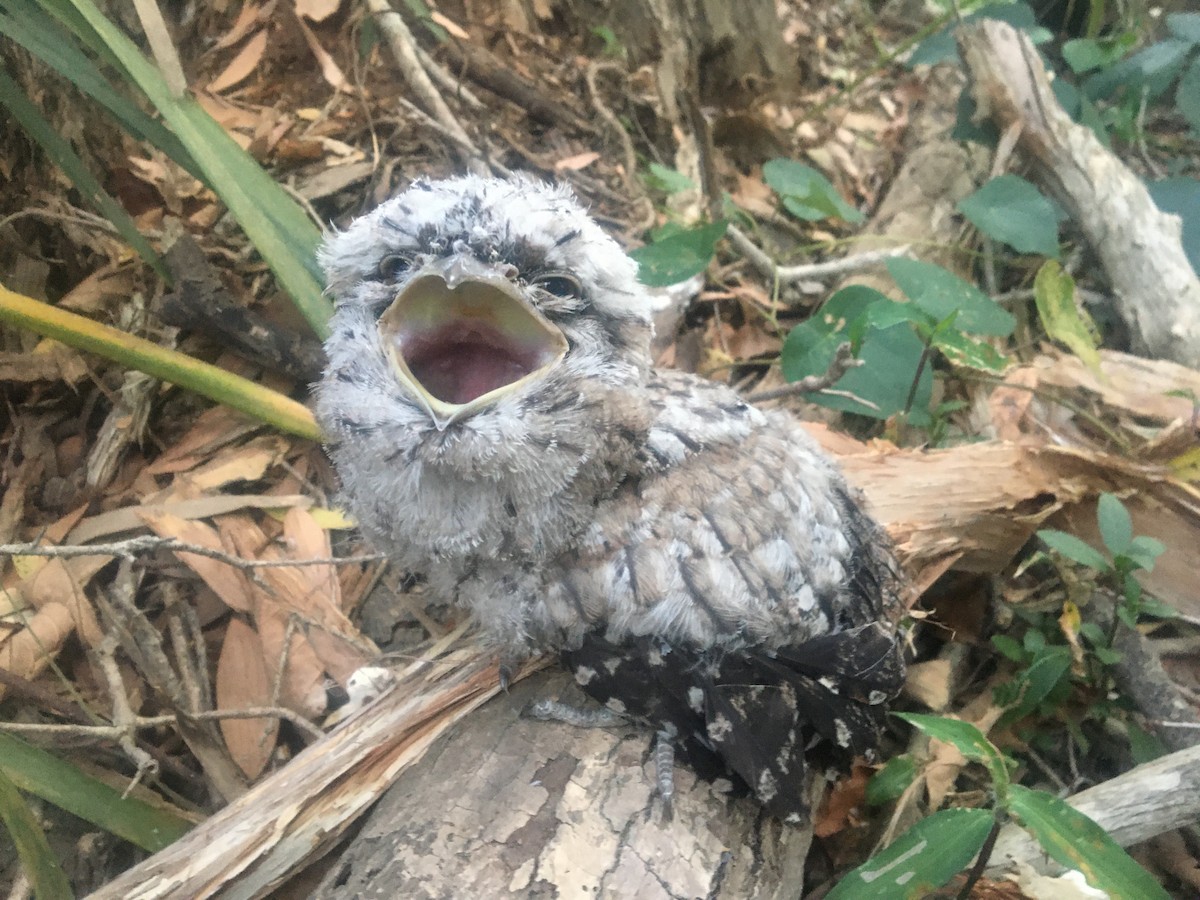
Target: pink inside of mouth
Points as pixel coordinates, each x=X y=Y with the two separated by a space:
x=458 y=365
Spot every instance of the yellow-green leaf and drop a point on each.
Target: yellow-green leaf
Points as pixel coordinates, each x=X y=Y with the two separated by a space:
x=1064 y=319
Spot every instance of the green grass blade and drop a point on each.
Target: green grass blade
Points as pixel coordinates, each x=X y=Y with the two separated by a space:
x=37 y=859
x=45 y=38
x=273 y=221
x=82 y=333
x=59 y=150
x=44 y=775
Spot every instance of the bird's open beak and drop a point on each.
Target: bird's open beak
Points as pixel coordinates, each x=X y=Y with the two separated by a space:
x=461 y=335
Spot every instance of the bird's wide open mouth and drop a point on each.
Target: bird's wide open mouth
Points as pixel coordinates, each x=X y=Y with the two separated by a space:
x=461 y=335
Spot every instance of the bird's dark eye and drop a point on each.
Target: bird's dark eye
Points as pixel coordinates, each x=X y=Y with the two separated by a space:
x=394 y=265
x=560 y=284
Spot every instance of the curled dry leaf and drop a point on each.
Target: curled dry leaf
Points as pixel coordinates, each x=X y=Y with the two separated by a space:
x=226 y=581
x=28 y=651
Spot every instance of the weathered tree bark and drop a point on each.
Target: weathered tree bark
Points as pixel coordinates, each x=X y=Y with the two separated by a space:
x=508 y=806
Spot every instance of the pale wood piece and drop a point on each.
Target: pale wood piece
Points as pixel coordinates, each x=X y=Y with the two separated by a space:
x=1156 y=291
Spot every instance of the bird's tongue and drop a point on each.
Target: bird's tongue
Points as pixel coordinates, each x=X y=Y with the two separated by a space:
x=457 y=368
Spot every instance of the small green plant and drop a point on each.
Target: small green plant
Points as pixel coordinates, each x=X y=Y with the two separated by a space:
x=940 y=846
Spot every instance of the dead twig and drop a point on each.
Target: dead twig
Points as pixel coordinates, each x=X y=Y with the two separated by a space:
x=404 y=48
x=139 y=723
x=131 y=548
x=808 y=271
x=843 y=361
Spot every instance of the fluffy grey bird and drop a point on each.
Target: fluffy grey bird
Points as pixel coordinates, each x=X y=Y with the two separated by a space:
x=700 y=564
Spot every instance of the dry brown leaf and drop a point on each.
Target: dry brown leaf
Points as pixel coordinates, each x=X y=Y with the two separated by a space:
x=62 y=581
x=330 y=70
x=1009 y=404
x=317 y=10
x=214 y=428
x=251 y=15
x=27 y=652
x=243 y=682
x=303 y=677
x=843 y=802
x=576 y=162
x=101 y=288
x=226 y=581
x=129 y=518
x=248 y=462
x=450 y=25
x=929 y=683
x=240 y=67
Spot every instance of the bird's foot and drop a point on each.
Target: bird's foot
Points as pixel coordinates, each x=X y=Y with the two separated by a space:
x=664 y=770
x=555 y=711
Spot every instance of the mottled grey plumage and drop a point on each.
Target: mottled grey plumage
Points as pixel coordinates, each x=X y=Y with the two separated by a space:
x=700 y=563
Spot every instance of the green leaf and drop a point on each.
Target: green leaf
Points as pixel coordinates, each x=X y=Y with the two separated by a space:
x=64 y=156
x=806 y=193
x=922 y=860
x=668 y=180
x=1074 y=549
x=1185 y=26
x=1152 y=606
x=1181 y=196
x=942 y=293
x=1038 y=681
x=1008 y=647
x=37 y=772
x=1011 y=210
x=1187 y=96
x=38 y=861
x=1064 y=319
x=966 y=738
x=1075 y=841
x=940 y=47
x=891 y=781
x=1116 y=528
x=272 y=220
x=1144 y=551
x=964 y=350
x=678 y=257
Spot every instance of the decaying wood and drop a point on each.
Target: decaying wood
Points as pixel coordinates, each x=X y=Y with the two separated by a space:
x=1156 y=291
x=506 y=806
x=1154 y=798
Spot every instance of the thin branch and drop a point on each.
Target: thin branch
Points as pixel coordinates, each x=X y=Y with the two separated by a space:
x=130 y=548
x=116 y=732
x=808 y=271
x=843 y=361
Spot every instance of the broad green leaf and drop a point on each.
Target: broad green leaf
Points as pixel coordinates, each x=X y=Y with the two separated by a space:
x=272 y=220
x=1037 y=682
x=1075 y=841
x=891 y=781
x=966 y=738
x=64 y=156
x=1074 y=549
x=1116 y=528
x=1011 y=210
x=38 y=861
x=890 y=312
x=668 y=180
x=849 y=310
x=1085 y=54
x=921 y=860
x=941 y=47
x=806 y=193
x=1187 y=95
x=1145 y=550
x=1181 y=196
x=964 y=350
x=942 y=293
x=44 y=775
x=678 y=257
x=1008 y=647
x=1064 y=319
x=1185 y=26
x=890 y=358
x=83 y=333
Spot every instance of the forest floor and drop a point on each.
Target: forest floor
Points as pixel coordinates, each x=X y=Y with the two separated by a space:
x=99 y=652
